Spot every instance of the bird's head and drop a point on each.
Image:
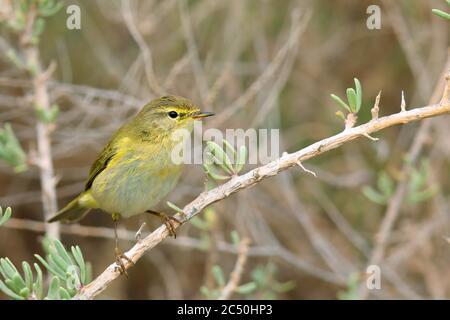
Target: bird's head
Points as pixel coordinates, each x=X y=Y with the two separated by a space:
x=166 y=115
x=171 y=113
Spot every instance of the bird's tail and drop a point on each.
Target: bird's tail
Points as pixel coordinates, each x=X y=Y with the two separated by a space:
x=73 y=211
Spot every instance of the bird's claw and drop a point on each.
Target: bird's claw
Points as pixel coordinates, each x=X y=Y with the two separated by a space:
x=168 y=222
x=120 y=266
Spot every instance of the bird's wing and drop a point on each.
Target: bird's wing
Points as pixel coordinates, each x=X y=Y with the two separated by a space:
x=100 y=164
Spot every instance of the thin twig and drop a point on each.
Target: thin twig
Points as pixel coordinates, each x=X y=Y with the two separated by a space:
x=297 y=29
x=235 y=276
x=146 y=51
x=192 y=49
x=41 y=100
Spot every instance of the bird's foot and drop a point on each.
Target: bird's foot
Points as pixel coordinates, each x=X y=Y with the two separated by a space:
x=119 y=261
x=169 y=221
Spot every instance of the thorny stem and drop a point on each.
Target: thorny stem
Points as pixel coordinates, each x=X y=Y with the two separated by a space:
x=254 y=176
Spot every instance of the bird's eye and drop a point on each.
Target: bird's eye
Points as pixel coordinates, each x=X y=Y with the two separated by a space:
x=173 y=114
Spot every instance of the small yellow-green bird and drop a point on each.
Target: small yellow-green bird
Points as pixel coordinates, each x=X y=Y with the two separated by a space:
x=135 y=170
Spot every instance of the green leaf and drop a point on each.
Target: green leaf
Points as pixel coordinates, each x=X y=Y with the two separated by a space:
x=373 y=195
x=241 y=158
x=63 y=294
x=59 y=262
x=351 y=97
x=49 y=8
x=38 y=286
x=352 y=288
x=88 y=272
x=284 y=287
x=38 y=28
x=47 y=115
x=175 y=207
x=10 y=150
x=340 y=114
x=76 y=252
x=235 y=237
x=230 y=148
x=218 y=275
x=441 y=14
x=421 y=196
x=62 y=252
x=214 y=161
x=205 y=291
x=53 y=289
x=28 y=275
x=18 y=281
x=9 y=292
x=211 y=171
x=52 y=269
x=385 y=184
x=221 y=156
x=340 y=102
x=12 y=55
x=4 y=216
x=8 y=268
x=358 y=89
x=25 y=292
x=247 y=288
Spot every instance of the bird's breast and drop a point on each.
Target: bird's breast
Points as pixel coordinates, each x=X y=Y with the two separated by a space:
x=134 y=183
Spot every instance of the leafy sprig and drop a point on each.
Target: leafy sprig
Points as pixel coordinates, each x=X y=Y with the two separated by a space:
x=441 y=13
x=219 y=165
x=219 y=278
x=10 y=149
x=68 y=268
x=47 y=116
x=354 y=100
x=267 y=285
x=17 y=20
x=418 y=190
x=4 y=216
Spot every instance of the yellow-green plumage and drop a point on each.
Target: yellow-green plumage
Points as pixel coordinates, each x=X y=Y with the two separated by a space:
x=135 y=170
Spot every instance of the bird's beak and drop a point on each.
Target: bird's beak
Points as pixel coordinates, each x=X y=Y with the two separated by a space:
x=201 y=114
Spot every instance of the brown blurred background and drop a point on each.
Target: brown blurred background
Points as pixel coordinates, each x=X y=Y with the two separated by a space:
x=310 y=237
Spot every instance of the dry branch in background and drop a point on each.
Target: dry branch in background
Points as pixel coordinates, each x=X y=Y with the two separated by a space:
x=235 y=276
x=43 y=130
x=254 y=176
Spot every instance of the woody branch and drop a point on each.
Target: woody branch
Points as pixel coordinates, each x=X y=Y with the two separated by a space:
x=251 y=178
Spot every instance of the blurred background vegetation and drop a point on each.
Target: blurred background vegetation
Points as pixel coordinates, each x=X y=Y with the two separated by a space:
x=273 y=64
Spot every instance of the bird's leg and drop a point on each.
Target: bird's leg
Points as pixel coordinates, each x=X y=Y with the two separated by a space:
x=167 y=220
x=117 y=251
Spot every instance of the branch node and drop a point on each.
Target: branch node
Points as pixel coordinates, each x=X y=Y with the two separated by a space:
x=350 y=121
x=365 y=134
x=47 y=73
x=446 y=93
x=403 y=103
x=299 y=163
x=376 y=109
x=138 y=234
